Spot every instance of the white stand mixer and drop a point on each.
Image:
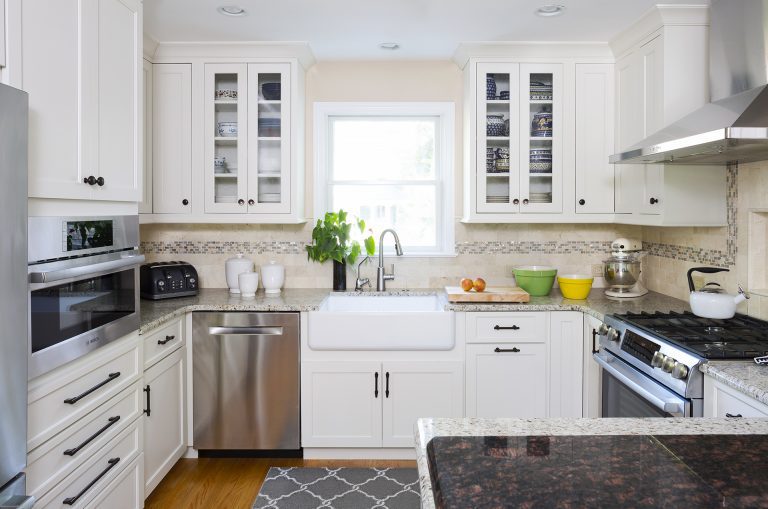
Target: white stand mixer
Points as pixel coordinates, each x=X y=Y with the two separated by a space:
x=622 y=270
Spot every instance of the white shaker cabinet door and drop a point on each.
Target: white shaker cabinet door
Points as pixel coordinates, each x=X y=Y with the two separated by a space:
x=164 y=424
x=507 y=380
x=592 y=381
x=566 y=344
x=341 y=404
x=419 y=389
x=145 y=200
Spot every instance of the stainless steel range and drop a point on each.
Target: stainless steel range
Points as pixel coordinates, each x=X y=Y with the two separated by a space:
x=650 y=362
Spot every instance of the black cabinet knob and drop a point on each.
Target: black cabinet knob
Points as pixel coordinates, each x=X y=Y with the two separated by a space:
x=251 y=202
x=515 y=201
x=582 y=201
x=241 y=202
x=185 y=202
x=654 y=201
x=100 y=181
x=90 y=180
x=525 y=201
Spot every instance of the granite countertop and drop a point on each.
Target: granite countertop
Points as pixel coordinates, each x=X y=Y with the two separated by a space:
x=158 y=312
x=673 y=430
x=744 y=376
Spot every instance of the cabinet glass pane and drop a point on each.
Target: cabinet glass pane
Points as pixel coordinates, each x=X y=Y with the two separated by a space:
x=498 y=146
x=226 y=136
x=539 y=171
x=269 y=140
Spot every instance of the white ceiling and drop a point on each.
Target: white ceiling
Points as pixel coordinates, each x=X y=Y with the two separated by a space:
x=425 y=29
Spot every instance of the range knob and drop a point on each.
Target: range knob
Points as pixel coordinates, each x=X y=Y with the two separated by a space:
x=602 y=330
x=668 y=365
x=680 y=371
x=613 y=334
x=658 y=359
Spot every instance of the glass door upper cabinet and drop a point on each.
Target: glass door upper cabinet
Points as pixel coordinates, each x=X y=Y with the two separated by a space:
x=268 y=143
x=226 y=132
x=541 y=138
x=497 y=138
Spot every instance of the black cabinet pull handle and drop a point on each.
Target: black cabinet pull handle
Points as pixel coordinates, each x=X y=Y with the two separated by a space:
x=499 y=327
x=167 y=339
x=594 y=337
x=71 y=500
x=734 y=416
x=376 y=385
x=148 y=391
x=503 y=350
x=386 y=390
x=100 y=181
x=185 y=202
x=111 y=421
x=72 y=401
x=653 y=201
x=582 y=201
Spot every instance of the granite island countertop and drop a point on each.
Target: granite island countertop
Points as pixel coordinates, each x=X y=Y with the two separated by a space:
x=744 y=376
x=656 y=435
x=156 y=313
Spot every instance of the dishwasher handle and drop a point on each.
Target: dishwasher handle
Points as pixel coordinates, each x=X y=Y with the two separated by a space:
x=245 y=331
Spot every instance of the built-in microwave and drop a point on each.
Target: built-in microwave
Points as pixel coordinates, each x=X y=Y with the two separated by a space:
x=83 y=286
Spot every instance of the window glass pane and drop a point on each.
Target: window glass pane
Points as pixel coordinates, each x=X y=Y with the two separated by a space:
x=410 y=210
x=383 y=148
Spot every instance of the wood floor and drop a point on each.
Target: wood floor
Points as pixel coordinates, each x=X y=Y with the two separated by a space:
x=232 y=483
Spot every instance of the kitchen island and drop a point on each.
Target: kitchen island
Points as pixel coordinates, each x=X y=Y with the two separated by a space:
x=592 y=462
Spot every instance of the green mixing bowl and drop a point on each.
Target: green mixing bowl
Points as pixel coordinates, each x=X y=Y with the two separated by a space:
x=537 y=280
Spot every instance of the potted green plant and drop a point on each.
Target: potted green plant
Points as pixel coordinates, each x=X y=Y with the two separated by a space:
x=332 y=240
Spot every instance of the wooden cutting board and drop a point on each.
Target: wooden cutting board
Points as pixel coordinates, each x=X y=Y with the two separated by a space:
x=491 y=294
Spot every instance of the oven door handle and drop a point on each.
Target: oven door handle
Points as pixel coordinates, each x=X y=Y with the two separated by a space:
x=59 y=275
x=656 y=395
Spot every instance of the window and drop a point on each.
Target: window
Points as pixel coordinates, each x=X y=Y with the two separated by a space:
x=391 y=164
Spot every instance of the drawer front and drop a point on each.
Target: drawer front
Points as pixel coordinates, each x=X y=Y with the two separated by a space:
x=90 y=479
x=125 y=492
x=507 y=327
x=57 y=409
x=58 y=457
x=731 y=405
x=160 y=343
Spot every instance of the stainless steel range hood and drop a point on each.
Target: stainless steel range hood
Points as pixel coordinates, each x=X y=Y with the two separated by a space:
x=734 y=127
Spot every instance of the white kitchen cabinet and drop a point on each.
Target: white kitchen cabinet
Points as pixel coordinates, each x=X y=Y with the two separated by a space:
x=164 y=422
x=3 y=33
x=507 y=380
x=125 y=492
x=721 y=400
x=594 y=139
x=419 y=389
x=566 y=354
x=592 y=382
x=341 y=404
x=145 y=205
x=661 y=77
x=84 y=123
x=171 y=138
x=374 y=404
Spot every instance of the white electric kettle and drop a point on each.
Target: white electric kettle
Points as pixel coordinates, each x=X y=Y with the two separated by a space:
x=712 y=301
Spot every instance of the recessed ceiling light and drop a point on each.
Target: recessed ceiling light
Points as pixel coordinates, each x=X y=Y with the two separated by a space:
x=550 y=10
x=231 y=10
x=389 y=45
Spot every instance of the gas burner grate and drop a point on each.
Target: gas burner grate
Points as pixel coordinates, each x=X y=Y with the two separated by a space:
x=740 y=337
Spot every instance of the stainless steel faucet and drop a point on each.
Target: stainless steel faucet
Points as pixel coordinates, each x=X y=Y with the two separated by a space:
x=381 y=275
x=361 y=282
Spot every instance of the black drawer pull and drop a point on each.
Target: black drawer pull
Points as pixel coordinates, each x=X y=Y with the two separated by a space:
x=594 y=345
x=112 y=376
x=148 y=411
x=72 y=452
x=72 y=500
x=376 y=385
x=504 y=350
x=386 y=390
x=499 y=327
x=167 y=339
x=734 y=416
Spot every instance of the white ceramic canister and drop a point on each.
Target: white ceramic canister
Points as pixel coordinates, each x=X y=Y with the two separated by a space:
x=272 y=276
x=233 y=268
x=249 y=283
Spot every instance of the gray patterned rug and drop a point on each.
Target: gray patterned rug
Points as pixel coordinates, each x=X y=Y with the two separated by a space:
x=339 y=488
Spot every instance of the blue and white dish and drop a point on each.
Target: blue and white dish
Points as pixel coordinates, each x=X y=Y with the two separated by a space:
x=495 y=125
x=490 y=87
x=271 y=91
x=227 y=129
x=504 y=95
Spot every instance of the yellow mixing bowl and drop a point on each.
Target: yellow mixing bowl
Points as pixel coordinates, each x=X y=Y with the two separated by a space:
x=575 y=286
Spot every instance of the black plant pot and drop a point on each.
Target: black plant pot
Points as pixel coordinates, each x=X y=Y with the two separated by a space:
x=339 y=276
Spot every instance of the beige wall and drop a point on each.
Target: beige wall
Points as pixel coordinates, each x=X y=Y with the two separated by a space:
x=389 y=81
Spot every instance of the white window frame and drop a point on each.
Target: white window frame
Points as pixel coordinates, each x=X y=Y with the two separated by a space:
x=444 y=160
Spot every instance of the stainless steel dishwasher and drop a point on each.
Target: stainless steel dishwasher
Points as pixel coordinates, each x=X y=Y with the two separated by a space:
x=245 y=382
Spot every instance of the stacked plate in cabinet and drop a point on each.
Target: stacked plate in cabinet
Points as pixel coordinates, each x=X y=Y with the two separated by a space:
x=540 y=161
x=540 y=198
x=541 y=91
x=497 y=199
x=269 y=126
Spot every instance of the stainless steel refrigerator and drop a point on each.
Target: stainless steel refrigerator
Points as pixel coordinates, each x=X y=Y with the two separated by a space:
x=14 y=321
